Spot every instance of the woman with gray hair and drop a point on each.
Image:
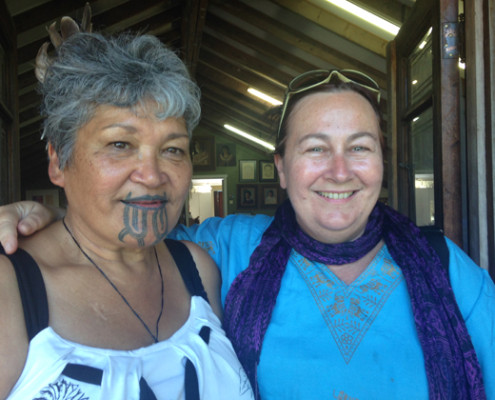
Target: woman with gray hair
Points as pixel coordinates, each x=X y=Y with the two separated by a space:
x=112 y=309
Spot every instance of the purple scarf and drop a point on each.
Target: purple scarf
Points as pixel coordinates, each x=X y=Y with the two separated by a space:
x=451 y=364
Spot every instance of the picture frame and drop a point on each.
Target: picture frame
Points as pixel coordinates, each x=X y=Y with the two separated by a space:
x=247 y=171
x=247 y=196
x=226 y=155
x=268 y=172
x=49 y=197
x=203 y=153
x=269 y=196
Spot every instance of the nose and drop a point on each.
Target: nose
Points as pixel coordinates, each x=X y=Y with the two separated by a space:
x=338 y=167
x=147 y=171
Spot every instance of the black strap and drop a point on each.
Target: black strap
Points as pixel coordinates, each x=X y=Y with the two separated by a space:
x=32 y=290
x=145 y=392
x=83 y=373
x=190 y=275
x=436 y=239
x=191 y=377
x=35 y=304
x=187 y=268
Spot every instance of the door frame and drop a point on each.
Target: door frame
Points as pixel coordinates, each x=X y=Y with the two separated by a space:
x=446 y=116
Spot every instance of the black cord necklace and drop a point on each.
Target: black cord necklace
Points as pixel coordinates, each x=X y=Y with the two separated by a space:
x=155 y=336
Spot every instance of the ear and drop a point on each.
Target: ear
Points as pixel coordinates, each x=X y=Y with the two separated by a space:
x=54 y=172
x=279 y=163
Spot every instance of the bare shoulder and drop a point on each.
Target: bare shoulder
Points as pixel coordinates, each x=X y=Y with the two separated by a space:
x=13 y=336
x=209 y=273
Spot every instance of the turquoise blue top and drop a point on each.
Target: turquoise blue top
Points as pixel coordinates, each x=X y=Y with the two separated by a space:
x=330 y=340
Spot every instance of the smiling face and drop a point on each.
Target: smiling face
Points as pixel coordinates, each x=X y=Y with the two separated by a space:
x=332 y=166
x=128 y=177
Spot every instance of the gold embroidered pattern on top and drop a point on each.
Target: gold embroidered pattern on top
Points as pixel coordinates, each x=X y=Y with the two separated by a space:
x=349 y=310
x=208 y=246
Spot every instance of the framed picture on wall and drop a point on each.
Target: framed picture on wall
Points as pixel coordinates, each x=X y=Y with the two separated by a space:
x=268 y=172
x=269 y=196
x=226 y=155
x=247 y=196
x=247 y=170
x=49 y=197
x=203 y=153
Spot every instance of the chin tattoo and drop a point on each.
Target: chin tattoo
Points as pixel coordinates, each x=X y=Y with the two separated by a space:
x=137 y=216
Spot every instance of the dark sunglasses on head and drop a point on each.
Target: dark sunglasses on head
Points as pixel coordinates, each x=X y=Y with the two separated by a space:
x=312 y=79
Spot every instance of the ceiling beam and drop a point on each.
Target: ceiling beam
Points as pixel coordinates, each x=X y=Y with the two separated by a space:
x=193 y=22
x=299 y=40
x=332 y=22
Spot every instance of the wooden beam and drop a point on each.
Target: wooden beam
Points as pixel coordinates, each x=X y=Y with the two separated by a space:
x=390 y=10
x=263 y=48
x=242 y=74
x=193 y=21
x=298 y=39
x=449 y=120
x=48 y=11
x=392 y=127
x=255 y=64
x=211 y=89
x=478 y=76
x=108 y=21
x=332 y=22
x=10 y=167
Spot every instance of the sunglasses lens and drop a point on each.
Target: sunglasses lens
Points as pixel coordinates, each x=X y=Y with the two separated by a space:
x=359 y=78
x=308 y=79
x=312 y=79
x=315 y=78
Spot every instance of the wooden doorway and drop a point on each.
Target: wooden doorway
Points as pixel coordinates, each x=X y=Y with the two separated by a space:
x=424 y=127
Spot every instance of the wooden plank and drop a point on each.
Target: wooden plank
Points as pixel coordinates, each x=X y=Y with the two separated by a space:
x=10 y=188
x=391 y=10
x=213 y=130
x=242 y=74
x=47 y=12
x=105 y=22
x=211 y=89
x=220 y=115
x=301 y=41
x=234 y=107
x=490 y=86
x=449 y=121
x=392 y=127
x=265 y=49
x=332 y=22
x=476 y=131
x=255 y=64
x=193 y=21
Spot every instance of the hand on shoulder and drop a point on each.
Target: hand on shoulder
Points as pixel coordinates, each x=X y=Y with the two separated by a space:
x=25 y=218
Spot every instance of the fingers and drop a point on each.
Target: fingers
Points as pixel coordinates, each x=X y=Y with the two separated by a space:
x=24 y=217
x=8 y=228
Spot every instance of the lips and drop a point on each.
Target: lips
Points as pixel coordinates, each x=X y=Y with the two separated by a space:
x=336 y=195
x=145 y=202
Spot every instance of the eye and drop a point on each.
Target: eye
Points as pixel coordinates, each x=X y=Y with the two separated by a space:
x=359 y=148
x=174 y=150
x=120 y=145
x=315 y=149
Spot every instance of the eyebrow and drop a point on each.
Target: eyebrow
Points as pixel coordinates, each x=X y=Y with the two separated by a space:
x=350 y=138
x=132 y=130
x=127 y=127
